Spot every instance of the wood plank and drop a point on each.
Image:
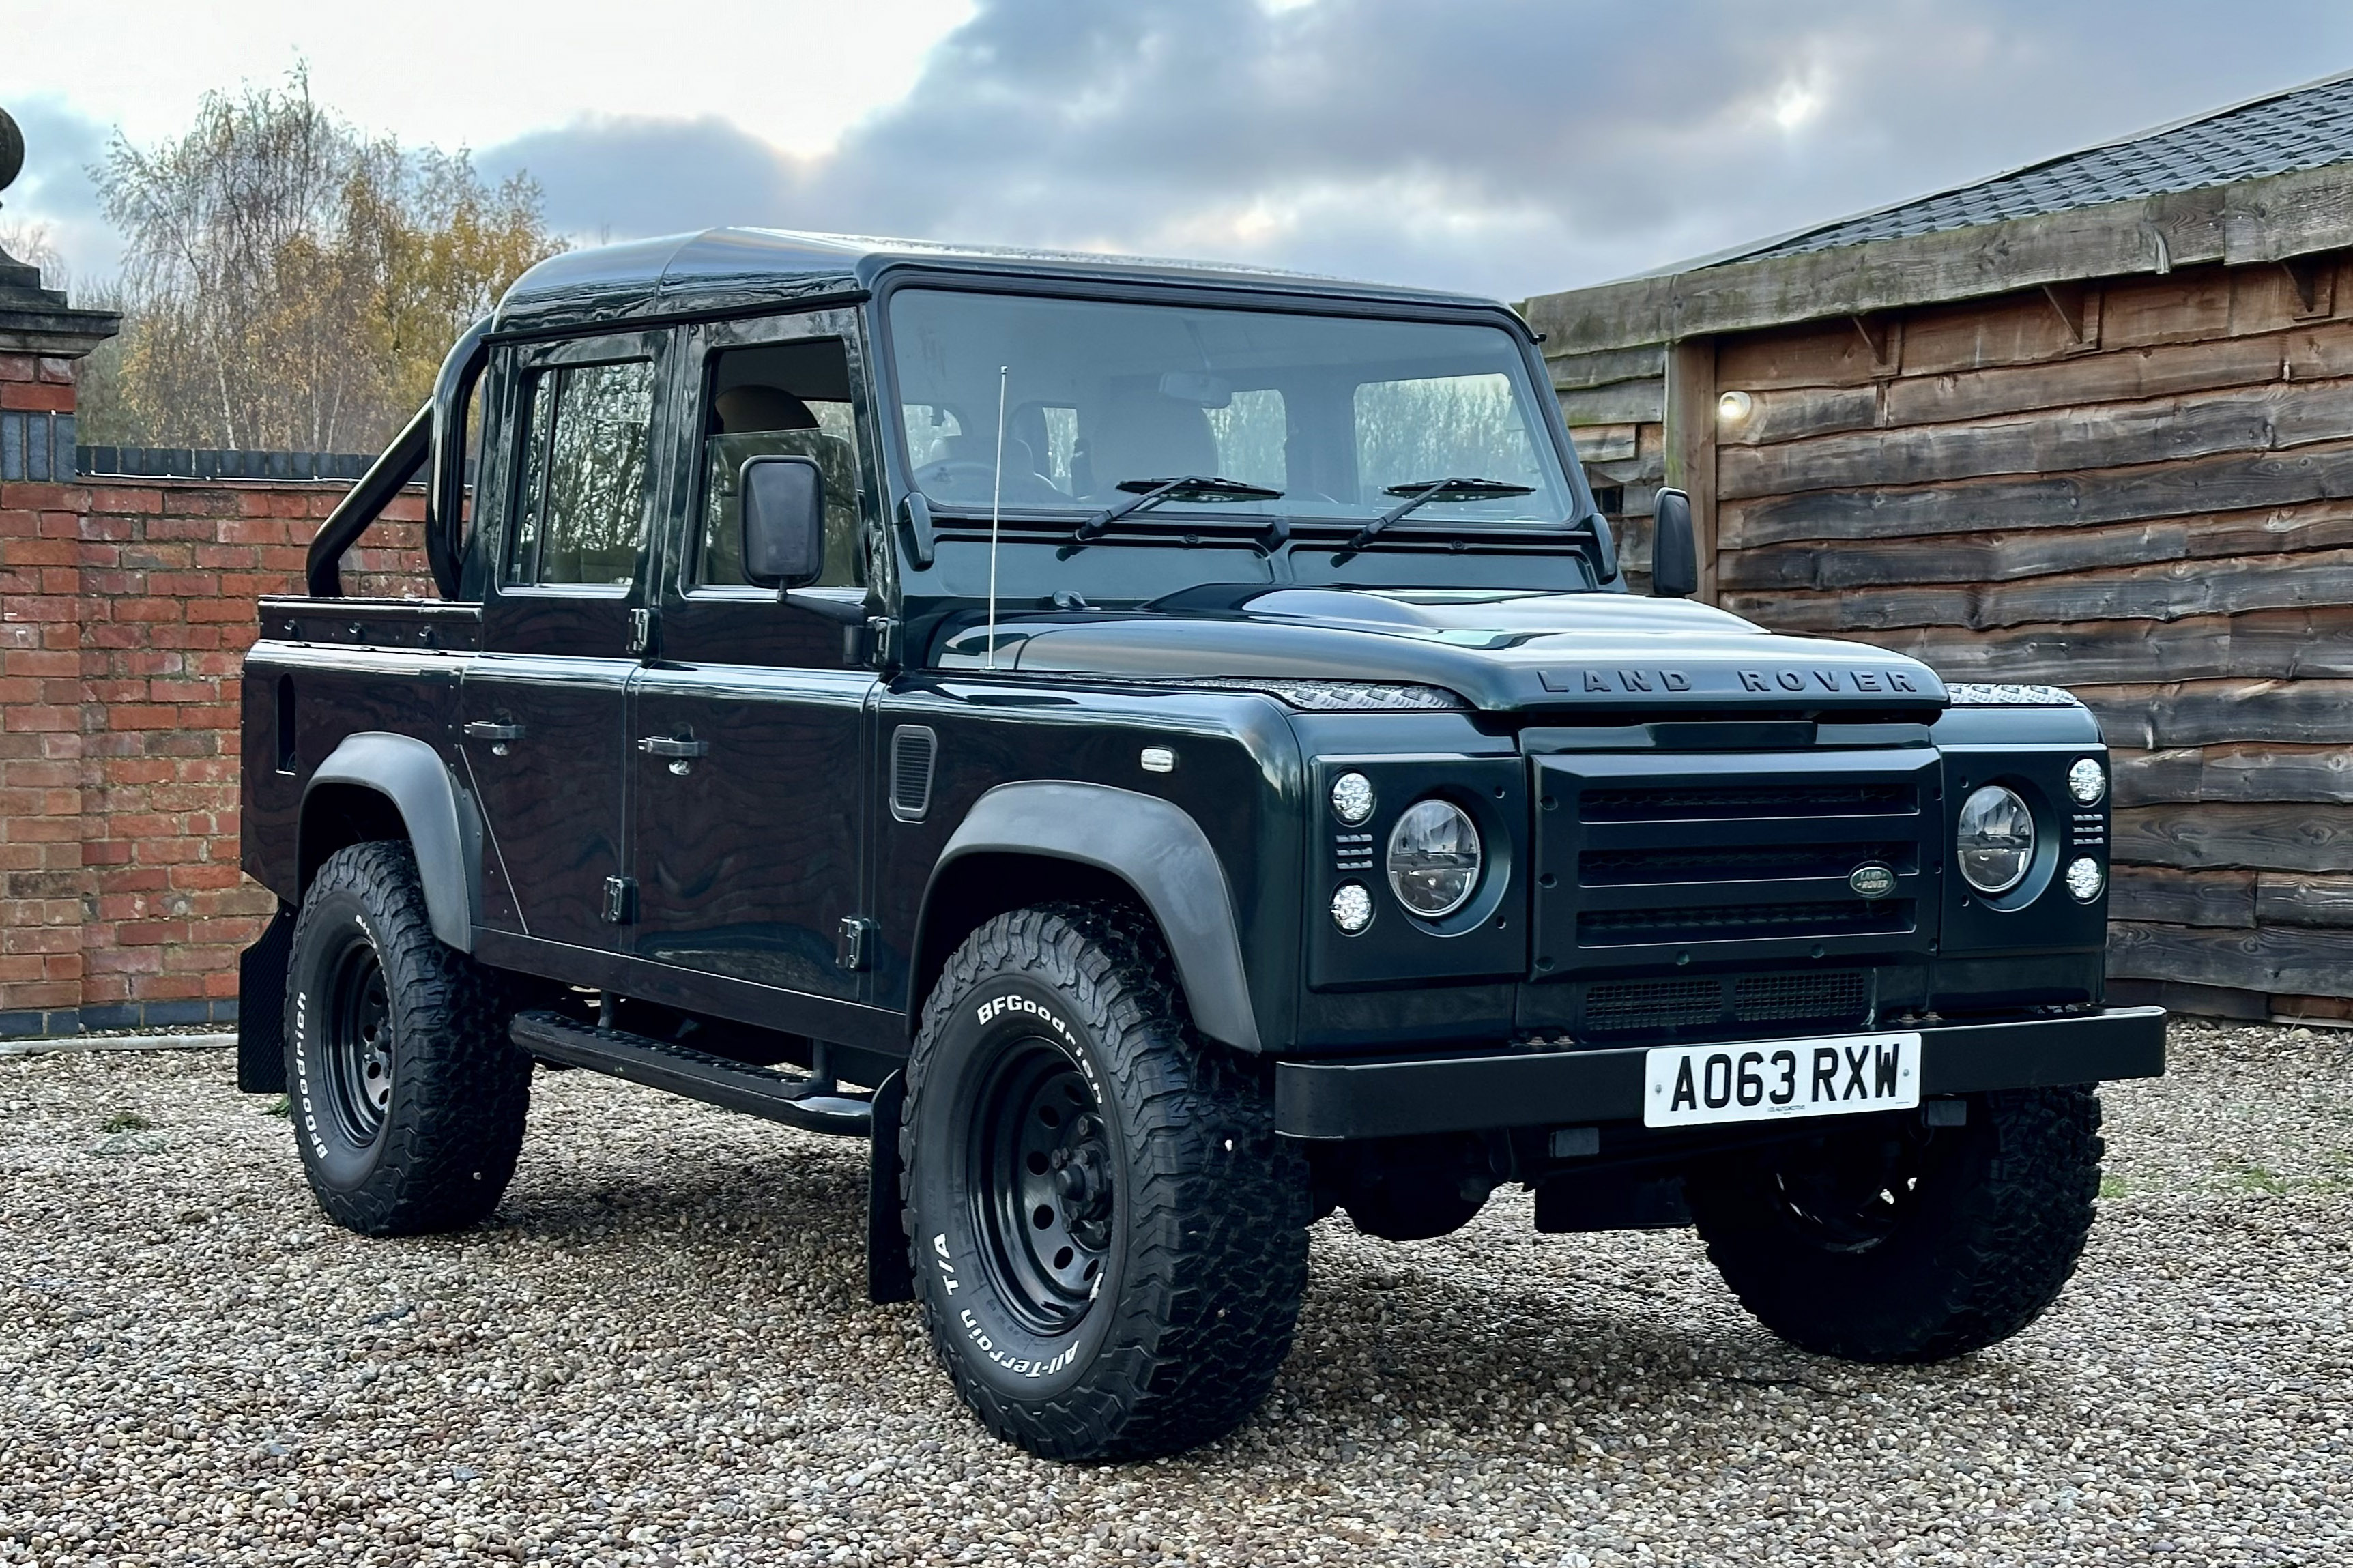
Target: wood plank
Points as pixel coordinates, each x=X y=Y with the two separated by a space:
x=2214 y=712
x=1692 y=456
x=2235 y=482
x=1605 y=443
x=2165 y=591
x=2269 y=959
x=2305 y=353
x=2200 y=1001
x=2299 y=644
x=1648 y=361
x=2235 y=771
x=2021 y=329
x=1617 y=402
x=2255 y=220
x=2285 y=899
x=2006 y=557
x=2182 y=898
x=2274 y=417
x=2277 y=837
x=1802 y=412
x=1818 y=354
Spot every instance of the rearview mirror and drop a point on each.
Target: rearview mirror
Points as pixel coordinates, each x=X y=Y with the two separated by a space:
x=1675 y=553
x=783 y=522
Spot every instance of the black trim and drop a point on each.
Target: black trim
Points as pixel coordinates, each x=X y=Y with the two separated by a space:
x=808 y=1103
x=1398 y=1096
x=261 y=1006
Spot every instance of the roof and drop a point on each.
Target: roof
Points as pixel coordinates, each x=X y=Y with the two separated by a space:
x=2306 y=127
x=751 y=268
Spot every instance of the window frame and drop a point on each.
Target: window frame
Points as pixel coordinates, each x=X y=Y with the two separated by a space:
x=535 y=361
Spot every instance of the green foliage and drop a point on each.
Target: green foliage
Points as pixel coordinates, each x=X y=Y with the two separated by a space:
x=126 y=1121
x=290 y=283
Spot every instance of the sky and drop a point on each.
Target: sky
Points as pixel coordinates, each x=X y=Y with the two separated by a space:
x=1504 y=147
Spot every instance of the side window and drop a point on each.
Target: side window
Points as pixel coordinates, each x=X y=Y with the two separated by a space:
x=580 y=516
x=790 y=399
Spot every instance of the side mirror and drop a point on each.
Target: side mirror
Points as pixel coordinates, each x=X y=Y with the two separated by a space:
x=1675 y=553
x=783 y=522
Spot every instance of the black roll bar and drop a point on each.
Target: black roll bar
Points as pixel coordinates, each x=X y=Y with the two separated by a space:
x=386 y=477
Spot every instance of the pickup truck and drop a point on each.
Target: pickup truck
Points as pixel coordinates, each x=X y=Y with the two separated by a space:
x=1163 y=753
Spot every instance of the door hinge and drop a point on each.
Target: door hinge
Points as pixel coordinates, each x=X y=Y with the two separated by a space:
x=855 y=947
x=620 y=900
x=641 y=630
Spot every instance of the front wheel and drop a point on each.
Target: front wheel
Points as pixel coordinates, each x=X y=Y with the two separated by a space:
x=1108 y=1238
x=1892 y=1241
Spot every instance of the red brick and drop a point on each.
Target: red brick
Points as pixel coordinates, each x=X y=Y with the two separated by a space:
x=48 y=398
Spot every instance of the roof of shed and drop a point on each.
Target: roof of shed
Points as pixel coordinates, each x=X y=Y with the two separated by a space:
x=2306 y=127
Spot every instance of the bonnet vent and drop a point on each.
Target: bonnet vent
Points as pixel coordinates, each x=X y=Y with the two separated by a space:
x=913 y=747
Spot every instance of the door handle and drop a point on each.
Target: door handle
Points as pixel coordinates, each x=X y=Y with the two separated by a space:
x=664 y=746
x=484 y=730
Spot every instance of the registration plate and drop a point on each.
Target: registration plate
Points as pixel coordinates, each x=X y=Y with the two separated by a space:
x=1764 y=1081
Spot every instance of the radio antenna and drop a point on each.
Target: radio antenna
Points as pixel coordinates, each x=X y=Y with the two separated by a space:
x=995 y=507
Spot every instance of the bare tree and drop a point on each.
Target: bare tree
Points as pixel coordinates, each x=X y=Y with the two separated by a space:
x=289 y=282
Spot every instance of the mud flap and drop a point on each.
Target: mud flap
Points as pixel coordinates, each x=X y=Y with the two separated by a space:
x=889 y=1276
x=262 y=1007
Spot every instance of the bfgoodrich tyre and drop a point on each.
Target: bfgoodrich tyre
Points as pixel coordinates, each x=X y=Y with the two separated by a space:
x=407 y=1097
x=1891 y=1241
x=1108 y=1239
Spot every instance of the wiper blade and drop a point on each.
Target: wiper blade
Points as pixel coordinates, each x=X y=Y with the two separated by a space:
x=1421 y=492
x=1149 y=493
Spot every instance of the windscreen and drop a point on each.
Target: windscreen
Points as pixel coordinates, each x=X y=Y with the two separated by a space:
x=1341 y=417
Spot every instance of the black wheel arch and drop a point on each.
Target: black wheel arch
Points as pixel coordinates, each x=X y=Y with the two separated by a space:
x=375 y=785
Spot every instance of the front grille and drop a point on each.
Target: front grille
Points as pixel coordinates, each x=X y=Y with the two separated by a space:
x=1730 y=923
x=1719 y=1005
x=1686 y=803
x=1621 y=868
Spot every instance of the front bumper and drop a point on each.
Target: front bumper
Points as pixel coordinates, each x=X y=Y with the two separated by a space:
x=1394 y=1096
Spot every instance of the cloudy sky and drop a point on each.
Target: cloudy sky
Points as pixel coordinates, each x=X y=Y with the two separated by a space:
x=1506 y=146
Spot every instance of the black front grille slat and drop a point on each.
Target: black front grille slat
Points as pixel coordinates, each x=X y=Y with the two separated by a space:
x=1683 y=802
x=1632 y=1006
x=1717 y=1005
x=1772 y=998
x=1732 y=922
x=1623 y=867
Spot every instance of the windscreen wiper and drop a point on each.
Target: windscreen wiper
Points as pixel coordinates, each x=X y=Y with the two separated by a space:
x=1149 y=493
x=1421 y=492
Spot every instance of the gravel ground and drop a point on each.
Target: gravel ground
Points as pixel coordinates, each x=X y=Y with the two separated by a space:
x=658 y=1353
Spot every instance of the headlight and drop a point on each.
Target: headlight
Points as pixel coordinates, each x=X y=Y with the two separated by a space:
x=1352 y=798
x=1434 y=858
x=2087 y=781
x=1996 y=842
x=2084 y=880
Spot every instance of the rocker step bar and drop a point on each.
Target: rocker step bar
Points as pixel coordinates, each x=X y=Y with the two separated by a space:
x=698 y=1075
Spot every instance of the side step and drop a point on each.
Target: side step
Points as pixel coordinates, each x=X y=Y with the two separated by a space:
x=698 y=1075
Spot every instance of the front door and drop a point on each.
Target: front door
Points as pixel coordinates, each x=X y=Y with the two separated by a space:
x=545 y=708
x=749 y=723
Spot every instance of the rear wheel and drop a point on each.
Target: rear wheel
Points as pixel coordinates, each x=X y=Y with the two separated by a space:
x=1898 y=1242
x=1108 y=1239
x=407 y=1097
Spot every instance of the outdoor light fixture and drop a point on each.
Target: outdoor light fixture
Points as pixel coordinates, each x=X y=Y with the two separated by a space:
x=1733 y=407
x=1352 y=908
x=1352 y=798
x=1995 y=841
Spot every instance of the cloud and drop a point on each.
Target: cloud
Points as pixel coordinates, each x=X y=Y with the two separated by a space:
x=627 y=176
x=53 y=193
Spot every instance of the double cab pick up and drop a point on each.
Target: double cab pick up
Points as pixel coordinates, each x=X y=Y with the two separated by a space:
x=1164 y=754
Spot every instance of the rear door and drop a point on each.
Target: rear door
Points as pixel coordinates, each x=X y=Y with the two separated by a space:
x=543 y=709
x=750 y=723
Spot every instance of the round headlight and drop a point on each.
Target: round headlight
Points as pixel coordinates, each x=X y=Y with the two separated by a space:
x=1352 y=908
x=1352 y=798
x=1434 y=858
x=1995 y=841
x=2084 y=880
x=2087 y=781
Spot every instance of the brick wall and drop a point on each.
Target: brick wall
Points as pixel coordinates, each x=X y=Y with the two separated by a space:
x=125 y=608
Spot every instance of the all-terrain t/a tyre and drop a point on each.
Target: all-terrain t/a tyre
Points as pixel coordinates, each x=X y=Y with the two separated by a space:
x=1109 y=1240
x=1894 y=1241
x=407 y=1097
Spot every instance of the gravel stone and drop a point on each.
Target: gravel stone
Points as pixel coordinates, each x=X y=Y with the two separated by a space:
x=659 y=1352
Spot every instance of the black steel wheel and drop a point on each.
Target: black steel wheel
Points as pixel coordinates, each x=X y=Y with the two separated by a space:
x=1109 y=1241
x=409 y=1098
x=1888 y=1241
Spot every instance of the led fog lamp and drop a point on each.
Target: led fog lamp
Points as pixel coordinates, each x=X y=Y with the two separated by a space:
x=1352 y=798
x=1352 y=908
x=1434 y=858
x=2084 y=880
x=2087 y=781
x=1995 y=841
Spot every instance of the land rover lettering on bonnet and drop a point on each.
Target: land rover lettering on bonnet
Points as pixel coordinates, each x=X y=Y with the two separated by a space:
x=1160 y=755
